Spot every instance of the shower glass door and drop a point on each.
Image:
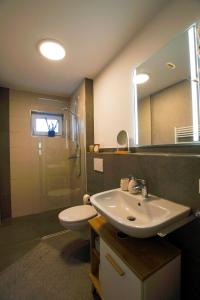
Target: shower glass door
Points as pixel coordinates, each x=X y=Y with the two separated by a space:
x=44 y=175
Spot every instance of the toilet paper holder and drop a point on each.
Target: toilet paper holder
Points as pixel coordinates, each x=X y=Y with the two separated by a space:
x=86 y=199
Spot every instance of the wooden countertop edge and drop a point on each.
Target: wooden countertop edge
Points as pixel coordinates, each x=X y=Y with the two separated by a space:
x=101 y=227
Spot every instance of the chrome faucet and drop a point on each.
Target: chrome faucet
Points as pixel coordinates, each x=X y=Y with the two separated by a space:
x=142 y=186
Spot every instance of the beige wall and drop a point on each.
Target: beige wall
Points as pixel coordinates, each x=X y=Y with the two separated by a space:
x=38 y=182
x=113 y=95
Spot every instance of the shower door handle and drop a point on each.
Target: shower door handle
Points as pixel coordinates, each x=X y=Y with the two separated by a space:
x=40 y=148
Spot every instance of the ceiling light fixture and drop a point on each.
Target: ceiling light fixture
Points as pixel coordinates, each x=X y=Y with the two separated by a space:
x=141 y=78
x=51 y=49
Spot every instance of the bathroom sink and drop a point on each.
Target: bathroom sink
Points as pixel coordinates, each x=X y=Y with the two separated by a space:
x=135 y=216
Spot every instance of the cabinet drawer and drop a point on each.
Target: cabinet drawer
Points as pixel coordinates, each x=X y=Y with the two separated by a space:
x=117 y=280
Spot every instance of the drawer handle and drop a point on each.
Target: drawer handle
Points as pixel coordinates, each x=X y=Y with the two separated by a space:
x=114 y=265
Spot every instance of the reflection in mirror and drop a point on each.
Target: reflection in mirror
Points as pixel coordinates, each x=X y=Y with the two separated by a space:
x=167 y=94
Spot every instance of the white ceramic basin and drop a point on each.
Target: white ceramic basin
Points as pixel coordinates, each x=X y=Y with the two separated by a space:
x=135 y=216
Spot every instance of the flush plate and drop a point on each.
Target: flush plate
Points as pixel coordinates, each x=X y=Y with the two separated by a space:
x=98 y=164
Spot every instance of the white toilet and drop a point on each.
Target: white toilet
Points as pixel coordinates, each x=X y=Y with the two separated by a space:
x=76 y=218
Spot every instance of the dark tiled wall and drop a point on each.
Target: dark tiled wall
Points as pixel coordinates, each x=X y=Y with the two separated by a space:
x=187 y=239
x=89 y=112
x=5 y=198
x=171 y=176
x=173 y=148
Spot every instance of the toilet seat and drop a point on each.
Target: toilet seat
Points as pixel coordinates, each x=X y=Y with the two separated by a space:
x=77 y=213
x=75 y=219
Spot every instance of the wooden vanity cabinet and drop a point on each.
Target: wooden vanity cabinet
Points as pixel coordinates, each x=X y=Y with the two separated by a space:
x=95 y=260
x=132 y=269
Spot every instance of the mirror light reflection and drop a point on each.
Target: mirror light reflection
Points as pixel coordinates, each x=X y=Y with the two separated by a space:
x=167 y=105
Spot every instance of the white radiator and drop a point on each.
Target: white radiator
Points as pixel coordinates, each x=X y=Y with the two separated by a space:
x=184 y=134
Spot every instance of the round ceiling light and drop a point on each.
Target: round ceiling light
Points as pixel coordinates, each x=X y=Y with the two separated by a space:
x=141 y=78
x=51 y=50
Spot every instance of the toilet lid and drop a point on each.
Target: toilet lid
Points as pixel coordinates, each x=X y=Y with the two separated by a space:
x=78 y=213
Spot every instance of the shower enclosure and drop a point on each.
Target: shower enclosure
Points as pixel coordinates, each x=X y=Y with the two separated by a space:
x=60 y=163
x=47 y=172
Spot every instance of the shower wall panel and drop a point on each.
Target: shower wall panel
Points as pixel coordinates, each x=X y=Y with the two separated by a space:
x=82 y=104
x=40 y=178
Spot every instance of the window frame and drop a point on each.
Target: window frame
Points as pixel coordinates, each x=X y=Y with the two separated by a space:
x=50 y=116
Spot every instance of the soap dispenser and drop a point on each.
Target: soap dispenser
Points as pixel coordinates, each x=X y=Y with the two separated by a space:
x=131 y=186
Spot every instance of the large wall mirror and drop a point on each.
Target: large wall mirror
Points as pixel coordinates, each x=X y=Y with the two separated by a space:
x=167 y=93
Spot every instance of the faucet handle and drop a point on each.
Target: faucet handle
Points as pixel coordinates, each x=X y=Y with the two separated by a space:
x=142 y=181
x=130 y=176
x=143 y=187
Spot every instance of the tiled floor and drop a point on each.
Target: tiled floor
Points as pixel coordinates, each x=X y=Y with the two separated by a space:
x=19 y=240
x=54 y=268
x=19 y=235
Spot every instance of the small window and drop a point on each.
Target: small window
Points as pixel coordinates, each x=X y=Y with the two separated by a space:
x=42 y=122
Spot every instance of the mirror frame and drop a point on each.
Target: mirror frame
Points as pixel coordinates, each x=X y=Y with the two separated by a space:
x=195 y=92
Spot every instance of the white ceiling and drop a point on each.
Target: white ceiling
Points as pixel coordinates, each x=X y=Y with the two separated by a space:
x=92 y=32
